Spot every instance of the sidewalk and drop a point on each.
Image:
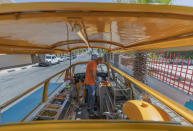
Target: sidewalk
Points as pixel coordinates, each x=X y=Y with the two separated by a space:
x=17 y=68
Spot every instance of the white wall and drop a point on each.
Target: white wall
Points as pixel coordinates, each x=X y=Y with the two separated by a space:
x=13 y=60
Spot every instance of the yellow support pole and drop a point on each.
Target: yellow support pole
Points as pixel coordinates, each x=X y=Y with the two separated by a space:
x=45 y=91
x=131 y=91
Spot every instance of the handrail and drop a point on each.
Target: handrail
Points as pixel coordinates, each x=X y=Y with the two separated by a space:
x=36 y=86
x=9 y=102
x=45 y=95
x=187 y=114
x=39 y=104
x=88 y=125
x=28 y=91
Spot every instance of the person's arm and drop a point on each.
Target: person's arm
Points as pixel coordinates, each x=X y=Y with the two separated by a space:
x=93 y=74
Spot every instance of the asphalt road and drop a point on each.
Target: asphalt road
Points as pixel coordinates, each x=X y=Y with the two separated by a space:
x=15 y=83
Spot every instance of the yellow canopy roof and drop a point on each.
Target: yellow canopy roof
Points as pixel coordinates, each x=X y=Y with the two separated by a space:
x=55 y=27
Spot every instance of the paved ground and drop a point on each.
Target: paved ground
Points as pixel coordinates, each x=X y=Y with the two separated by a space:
x=14 y=83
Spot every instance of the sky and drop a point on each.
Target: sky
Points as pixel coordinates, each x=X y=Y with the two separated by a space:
x=63 y=0
x=175 y=2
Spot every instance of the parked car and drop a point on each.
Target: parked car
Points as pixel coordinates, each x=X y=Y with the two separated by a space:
x=58 y=59
x=55 y=59
x=47 y=60
x=62 y=58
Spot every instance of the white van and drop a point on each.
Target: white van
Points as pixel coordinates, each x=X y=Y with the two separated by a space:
x=47 y=60
x=54 y=60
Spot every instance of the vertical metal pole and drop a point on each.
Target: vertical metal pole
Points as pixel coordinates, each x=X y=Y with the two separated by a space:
x=45 y=91
x=131 y=91
x=150 y=65
x=171 y=75
x=159 y=70
x=165 y=67
x=186 y=74
x=116 y=60
x=161 y=74
x=174 y=84
x=156 y=67
x=190 y=86
x=153 y=69
x=114 y=97
x=108 y=56
x=168 y=69
x=180 y=73
x=70 y=63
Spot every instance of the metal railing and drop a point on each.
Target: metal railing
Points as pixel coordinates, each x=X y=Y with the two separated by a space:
x=45 y=83
x=45 y=94
x=175 y=70
x=187 y=114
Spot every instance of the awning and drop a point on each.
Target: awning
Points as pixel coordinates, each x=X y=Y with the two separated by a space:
x=57 y=27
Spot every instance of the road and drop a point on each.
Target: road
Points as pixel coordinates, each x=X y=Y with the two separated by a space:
x=15 y=83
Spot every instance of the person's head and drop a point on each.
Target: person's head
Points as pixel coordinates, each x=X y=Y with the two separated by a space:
x=99 y=60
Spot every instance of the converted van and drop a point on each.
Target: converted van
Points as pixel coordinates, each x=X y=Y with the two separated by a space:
x=47 y=60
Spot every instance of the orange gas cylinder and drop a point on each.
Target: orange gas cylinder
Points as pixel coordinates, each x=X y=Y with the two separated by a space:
x=141 y=110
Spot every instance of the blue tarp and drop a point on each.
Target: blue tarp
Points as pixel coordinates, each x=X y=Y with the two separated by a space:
x=189 y=105
x=17 y=112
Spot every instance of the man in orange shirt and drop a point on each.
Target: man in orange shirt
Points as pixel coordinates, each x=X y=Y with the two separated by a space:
x=89 y=81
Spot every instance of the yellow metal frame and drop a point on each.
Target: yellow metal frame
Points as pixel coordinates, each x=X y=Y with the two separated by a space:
x=69 y=42
x=187 y=114
x=164 y=44
x=45 y=83
x=107 y=7
x=45 y=91
x=16 y=11
x=95 y=125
